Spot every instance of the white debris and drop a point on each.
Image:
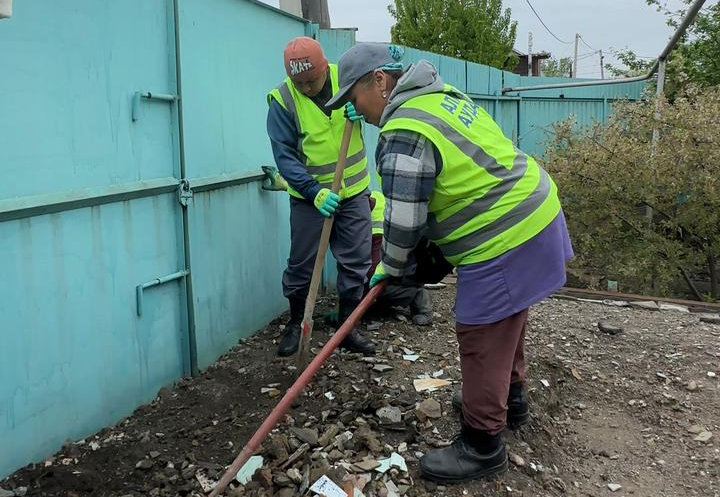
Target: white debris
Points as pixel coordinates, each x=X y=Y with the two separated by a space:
x=327 y=488
x=248 y=470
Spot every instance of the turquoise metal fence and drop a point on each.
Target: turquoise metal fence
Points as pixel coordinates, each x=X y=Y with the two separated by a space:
x=135 y=243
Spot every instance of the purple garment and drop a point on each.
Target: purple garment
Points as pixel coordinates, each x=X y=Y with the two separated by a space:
x=491 y=291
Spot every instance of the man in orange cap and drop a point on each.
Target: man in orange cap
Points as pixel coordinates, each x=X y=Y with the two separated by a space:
x=305 y=139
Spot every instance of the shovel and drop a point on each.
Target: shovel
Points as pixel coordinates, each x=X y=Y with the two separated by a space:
x=307 y=323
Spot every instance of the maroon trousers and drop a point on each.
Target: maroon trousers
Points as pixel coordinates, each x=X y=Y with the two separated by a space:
x=491 y=357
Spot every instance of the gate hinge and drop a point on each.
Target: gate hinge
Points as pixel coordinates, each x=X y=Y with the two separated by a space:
x=185 y=194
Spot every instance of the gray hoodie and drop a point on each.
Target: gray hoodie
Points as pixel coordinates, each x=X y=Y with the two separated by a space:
x=420 y=79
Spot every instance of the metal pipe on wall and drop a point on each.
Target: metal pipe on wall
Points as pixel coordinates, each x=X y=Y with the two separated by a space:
x=686 y=22
x=189 y=297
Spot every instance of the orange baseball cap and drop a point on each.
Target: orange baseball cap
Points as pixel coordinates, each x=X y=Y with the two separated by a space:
x=305 y=59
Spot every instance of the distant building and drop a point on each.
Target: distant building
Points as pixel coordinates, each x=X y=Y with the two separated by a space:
x=537 y=58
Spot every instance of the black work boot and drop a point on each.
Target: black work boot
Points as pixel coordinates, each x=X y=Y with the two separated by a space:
x=421 y=308
x=290 y=339
x=474 y=454
x=354 y=342
x=518 y=413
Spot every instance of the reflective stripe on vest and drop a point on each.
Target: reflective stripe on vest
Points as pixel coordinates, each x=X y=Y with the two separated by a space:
x=319 y=139
x=378 y=213
x=489 y=197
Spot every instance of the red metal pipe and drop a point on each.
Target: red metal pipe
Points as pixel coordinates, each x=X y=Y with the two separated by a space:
x=296 y=389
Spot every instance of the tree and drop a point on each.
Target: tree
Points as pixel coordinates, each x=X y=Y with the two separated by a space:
x=560 y=68
x=608 y=175
x=633 y=65
x=694 y=61
x=475 y=30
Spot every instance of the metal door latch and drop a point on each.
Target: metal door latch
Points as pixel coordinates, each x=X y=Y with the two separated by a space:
x=185 y=194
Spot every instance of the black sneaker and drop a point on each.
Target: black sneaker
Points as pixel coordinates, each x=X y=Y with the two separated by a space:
x=518 y=413
x=462 y=462
x=290 y=340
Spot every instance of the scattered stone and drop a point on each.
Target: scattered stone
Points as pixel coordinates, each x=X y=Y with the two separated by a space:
x=154 y=454
x=429 y=384
x=366 y=465
x=307 y=435
x=402 y=448
x=614 y=487
x=516 y=460
x=389 y=415
x=704 y=436
x=145 y=464
x=329 y=435
x=287 y=492
x=295 y=476
x=6 y=493
x=710 y=374
x=264 y=476
x=21 y=491
x=282 y=480
x=692 y=386
x=710 y=318
x=609 y=328
x=382 y=368
x=365 y=437
x=695 y=429
x=428 y=409
x=664 y=306
x=649 y=305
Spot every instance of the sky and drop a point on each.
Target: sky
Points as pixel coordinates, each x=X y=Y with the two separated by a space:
x=603 y=24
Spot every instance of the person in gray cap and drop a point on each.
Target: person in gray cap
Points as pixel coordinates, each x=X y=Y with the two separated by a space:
x=450 y=174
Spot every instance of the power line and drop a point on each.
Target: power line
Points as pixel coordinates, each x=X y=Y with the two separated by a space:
x=585 y=43
x=545 y=25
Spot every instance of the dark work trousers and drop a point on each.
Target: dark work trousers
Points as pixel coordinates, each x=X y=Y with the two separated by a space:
x=394 y=294
x=491 y=357
x=349 y=242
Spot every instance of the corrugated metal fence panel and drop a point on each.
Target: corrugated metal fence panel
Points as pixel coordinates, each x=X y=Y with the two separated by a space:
x=239 y=235
x=336 y=42
x=67 y=82
x=454 y=72
x=478 y=79
x=537 y=129
x=74 y=355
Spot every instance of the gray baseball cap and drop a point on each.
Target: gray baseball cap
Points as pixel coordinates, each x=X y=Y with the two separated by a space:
x=360 y=60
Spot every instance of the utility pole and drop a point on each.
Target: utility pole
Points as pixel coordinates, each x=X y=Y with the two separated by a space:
x=530 y=48
x=575 y=60
x=602 y=64
x=317 y=12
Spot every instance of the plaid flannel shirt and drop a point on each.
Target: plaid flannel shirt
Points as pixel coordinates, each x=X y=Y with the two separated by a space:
x=409 y=164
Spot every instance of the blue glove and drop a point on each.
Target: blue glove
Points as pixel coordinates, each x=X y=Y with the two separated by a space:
x=378 y=275
x=326 y=202
x=351 y=113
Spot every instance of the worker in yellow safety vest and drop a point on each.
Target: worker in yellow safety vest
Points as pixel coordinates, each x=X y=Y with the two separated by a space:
x=449 y=173
x=305 y=139
x=405 y=293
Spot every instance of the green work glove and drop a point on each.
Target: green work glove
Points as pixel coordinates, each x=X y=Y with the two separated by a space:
x=378 y=275
x=273 y=181
x=326 y=202
x=351 y=113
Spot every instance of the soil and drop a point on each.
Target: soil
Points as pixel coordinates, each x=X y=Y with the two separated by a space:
x=608 y=410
